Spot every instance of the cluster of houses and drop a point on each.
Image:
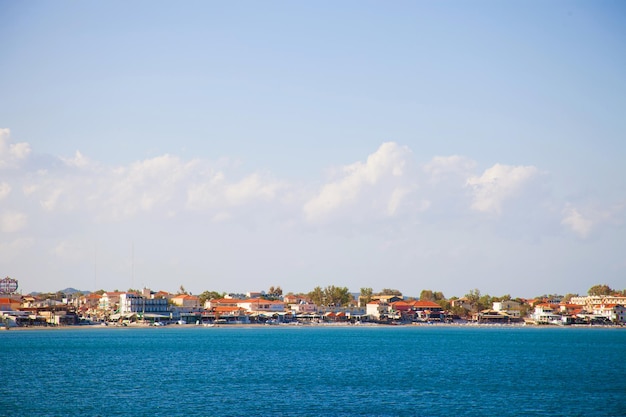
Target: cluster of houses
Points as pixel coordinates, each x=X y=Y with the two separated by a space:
x=158 y=308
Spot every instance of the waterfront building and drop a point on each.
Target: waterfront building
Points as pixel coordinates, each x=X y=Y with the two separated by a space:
x=463 y=302
x=109 y=301
x=189 y=302
x=260 y=304
x=510 y=307
x=132 y=303
x=616 y=313
x=545 y=313
x=590 y=301
x=377 y=309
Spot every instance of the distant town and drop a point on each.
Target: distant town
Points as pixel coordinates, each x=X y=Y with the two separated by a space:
x=322 y=306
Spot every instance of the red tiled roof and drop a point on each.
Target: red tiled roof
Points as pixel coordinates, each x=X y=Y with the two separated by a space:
x=425 y=304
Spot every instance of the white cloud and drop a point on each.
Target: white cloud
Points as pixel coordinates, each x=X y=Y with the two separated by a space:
x=584 y=221
x=11 y=153
x=12 y=221
x=577 y=222
x=378 y=186
x=142 y=186
x=497 y=184
x=5 y=189
x=444 y=167
x=217 y=194
x=78 y=161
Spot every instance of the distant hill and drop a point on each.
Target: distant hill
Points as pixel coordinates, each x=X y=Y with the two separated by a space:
x=67 y=291
x=70 y=291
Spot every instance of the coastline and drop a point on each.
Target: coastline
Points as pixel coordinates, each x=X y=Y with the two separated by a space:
x=308 y=325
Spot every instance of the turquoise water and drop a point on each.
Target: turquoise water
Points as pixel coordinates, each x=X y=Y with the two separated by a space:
x=314 y=371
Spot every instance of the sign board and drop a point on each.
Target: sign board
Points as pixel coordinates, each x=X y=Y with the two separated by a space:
x=8 y=285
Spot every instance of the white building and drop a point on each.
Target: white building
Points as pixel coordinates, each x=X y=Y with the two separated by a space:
x=510 y=307
x=544 y=314
x=377 y=309
x=260 y=304
x=134 y=303
x=614 y=312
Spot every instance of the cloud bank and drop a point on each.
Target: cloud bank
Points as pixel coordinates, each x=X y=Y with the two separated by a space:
x=388 y=185
x=400 y=213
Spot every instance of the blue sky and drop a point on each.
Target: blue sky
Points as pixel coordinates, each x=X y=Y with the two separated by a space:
x=414 y=145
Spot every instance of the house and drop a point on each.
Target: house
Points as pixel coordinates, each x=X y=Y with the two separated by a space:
x=91 y=300
x=462 y=302
x=510 y=307
x=544 y=313
x=589 y=302
x=613 y=312
x=110 y=301
x=10 y=304
x=387 y=298
x=427 y=310
x=303 y=308
x=262 y=305
x=186 y=301
x=377 y=309
x=131 y=303
x=491 y=316
x=402 y=310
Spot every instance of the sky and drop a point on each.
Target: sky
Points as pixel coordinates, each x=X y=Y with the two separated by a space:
x=234 y=146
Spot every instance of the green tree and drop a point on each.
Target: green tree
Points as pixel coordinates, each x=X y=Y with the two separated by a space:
x=209 y=295
x=430 y=295
x=275 y=291
x=473 y=296
x=181 y=290
x=484 y=302
x=366 y=295
x=600 y=289
x=390 y=291
x=337 y=296
x=427 y=295
x=317 y=296
x=331 y=295
x=567 y=297
x=479 y=302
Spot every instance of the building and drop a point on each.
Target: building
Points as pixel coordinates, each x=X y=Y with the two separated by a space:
x=110 y=301
x=510 y=307
x=590 y=301
x=616 y=313
x=190 y=302
x=378 y=309
x=546 y=314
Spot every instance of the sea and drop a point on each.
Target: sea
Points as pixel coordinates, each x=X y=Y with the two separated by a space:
x=314 y=371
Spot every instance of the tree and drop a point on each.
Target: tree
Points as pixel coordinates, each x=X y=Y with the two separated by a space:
x=473 y=296
x=390 y=291
x=366 y=295
x=277 y=291
x=331 y=295
x=182 y=290
x=567 y=297
x=429 y=295
x=209 y=295
x=600 y=289
x=337 y=296
x=317 y=296
x=479 y=302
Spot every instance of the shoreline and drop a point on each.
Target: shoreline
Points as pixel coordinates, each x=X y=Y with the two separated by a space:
x=311 y=325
